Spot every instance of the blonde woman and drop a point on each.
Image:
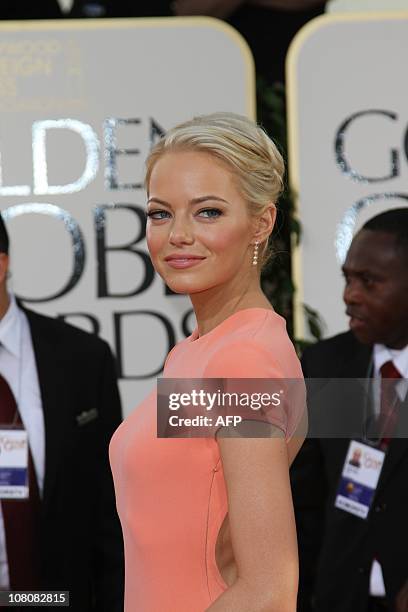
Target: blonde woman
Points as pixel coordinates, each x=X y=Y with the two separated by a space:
x=208 y=523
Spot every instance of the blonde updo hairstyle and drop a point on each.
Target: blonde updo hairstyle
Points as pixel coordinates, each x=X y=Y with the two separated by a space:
x=242 y=145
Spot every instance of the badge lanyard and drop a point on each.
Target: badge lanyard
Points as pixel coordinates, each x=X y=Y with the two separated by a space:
x=370 y=413
x=14 y=456
x=13 y=424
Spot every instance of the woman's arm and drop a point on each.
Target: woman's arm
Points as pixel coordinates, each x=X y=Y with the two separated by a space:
x=262 y=526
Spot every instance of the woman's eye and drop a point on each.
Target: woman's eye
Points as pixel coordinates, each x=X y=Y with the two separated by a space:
x=210 y=213
x=158 y=214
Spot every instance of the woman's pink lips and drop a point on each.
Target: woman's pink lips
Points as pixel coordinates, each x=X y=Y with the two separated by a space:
x=184 y=262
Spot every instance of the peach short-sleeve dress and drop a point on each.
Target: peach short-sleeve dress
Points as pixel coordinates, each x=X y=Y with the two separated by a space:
x=171 y=494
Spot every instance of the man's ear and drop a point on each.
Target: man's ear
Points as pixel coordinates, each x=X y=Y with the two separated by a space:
x=4 y=266
x=264 y=224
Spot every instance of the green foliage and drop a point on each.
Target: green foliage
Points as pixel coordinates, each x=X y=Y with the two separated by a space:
x=277 y=276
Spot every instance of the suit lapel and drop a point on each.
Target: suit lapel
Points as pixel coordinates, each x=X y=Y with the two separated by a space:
x=356 y=364
x=355 y=370
x=53 y=397
x=398 y=447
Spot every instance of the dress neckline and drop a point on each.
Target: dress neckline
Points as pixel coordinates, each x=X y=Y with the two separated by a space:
x=246 y=312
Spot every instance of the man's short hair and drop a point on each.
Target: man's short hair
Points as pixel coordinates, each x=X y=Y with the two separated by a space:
x=395 y=222
x=4 y=238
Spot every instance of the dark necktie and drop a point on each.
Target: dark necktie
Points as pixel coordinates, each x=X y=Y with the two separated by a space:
x=389 y=403
x=21 y=517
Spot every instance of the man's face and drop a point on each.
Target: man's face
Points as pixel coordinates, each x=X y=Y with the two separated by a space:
x=376 y=291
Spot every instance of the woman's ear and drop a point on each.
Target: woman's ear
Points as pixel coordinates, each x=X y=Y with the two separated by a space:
x=265 y=223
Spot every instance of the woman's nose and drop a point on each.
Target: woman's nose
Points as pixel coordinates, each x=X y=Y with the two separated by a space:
x=181 y=232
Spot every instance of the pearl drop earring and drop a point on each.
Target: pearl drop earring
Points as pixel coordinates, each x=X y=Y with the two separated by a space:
x=255 y=257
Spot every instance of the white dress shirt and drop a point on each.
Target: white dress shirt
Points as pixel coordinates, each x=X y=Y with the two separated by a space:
x=381 y=355
x=18 y=367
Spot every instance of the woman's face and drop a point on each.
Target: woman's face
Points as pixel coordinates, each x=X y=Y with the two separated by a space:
x=199 y=231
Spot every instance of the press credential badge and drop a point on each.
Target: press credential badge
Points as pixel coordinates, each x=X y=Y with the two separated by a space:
x=359 y=478
x=13 y=464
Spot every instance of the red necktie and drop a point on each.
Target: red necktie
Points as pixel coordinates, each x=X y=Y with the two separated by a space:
x=21 y=517
x=389 y=401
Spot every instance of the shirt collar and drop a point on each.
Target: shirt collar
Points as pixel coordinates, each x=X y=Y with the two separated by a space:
x=10 y=328
x=399 y=358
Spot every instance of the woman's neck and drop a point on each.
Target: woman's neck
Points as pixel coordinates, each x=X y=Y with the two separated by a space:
x=213 y=306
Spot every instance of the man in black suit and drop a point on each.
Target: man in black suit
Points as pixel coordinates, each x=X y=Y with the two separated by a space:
x=348 y=563
x=59 y=383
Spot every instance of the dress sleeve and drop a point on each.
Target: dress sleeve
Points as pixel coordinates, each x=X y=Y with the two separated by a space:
x=245 y=359
x=252 y=375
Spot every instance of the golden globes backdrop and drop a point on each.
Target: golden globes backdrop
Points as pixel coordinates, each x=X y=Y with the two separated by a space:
x=81 y=104
x=348 y=133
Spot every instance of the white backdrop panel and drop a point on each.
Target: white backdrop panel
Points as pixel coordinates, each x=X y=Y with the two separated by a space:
x=348 y=120
x=81 y=103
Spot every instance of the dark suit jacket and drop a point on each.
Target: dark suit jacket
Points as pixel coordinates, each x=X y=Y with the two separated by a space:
x=81 y=542
x=46 y=9
x=336 y=549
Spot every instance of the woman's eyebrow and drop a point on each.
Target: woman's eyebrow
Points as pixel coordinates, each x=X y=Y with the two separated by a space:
x=198 y=200
x=158 y=201
x=208 y=197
